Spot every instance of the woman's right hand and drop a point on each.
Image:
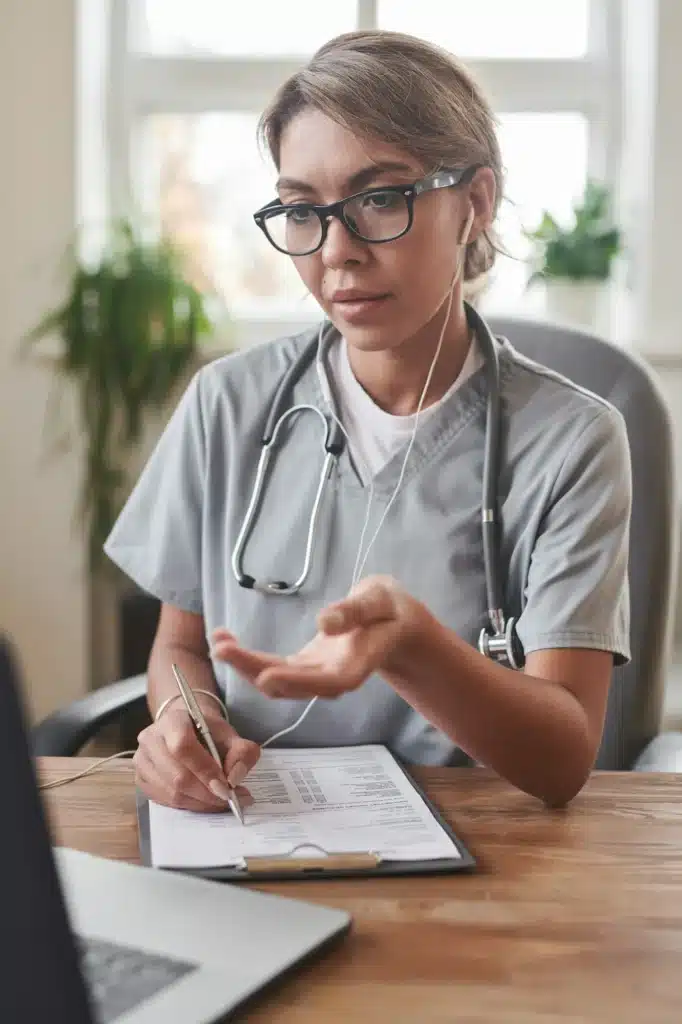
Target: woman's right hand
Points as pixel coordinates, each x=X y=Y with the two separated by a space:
x=173 y=767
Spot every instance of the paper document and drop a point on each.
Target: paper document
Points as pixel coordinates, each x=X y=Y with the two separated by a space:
x=340 y=800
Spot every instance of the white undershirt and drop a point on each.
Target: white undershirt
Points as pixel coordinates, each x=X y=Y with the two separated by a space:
x=375 y=435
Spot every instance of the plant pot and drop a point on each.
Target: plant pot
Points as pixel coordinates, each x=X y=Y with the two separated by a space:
x=582 y=304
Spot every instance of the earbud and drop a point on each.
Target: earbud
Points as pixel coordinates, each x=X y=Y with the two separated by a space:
x=461 y=255
x=467 y=227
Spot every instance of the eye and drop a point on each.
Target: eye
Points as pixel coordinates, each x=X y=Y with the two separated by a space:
x=383 y=201
x=299 y=214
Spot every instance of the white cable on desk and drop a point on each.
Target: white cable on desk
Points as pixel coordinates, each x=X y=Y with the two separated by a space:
x=86 y=771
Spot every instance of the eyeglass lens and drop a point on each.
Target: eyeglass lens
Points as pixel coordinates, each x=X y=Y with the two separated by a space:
x=378 y=217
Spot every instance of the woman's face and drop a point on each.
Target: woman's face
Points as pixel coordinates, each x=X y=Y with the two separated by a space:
x=376 y=295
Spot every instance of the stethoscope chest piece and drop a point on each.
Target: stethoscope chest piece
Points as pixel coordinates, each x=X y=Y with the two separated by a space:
x=503 y=645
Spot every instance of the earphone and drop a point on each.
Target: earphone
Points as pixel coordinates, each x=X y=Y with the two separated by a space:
x=326 y=393
x=455 y=279
x=465 y=234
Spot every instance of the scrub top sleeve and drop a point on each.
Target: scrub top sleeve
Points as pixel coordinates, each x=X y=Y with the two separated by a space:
x=577 y=592
x=156 y=539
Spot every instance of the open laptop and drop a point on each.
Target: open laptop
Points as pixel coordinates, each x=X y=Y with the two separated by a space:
x=102 y=942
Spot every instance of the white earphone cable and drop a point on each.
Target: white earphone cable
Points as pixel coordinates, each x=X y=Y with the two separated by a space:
x=398 y=485
x=361 y=561
x=455 y=279
x=86 y=771
x=330 y=405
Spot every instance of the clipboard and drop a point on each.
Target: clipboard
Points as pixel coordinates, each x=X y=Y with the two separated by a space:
x=360 y=864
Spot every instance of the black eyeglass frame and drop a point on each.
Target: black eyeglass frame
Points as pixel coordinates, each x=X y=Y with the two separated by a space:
x=447 y=178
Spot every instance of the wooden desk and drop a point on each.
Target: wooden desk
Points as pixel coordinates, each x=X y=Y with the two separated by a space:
x=572 y=916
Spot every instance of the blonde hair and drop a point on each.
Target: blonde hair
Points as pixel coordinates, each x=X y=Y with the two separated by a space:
x=402 y=91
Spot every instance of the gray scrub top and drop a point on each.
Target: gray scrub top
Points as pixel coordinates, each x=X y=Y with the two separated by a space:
x=564 y=490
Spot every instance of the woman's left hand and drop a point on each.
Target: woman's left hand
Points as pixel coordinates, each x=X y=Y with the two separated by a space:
x=368 y=631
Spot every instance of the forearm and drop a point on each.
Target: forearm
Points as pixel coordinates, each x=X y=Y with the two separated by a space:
x=531 y=731
x=196 y=667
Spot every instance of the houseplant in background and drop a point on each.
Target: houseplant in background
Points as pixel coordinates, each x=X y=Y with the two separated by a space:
x=129 y=331
x=575 y=263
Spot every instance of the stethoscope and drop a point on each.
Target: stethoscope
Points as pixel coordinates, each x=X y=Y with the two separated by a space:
x=499 y=639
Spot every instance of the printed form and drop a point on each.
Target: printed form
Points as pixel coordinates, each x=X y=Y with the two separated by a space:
x=307 y=802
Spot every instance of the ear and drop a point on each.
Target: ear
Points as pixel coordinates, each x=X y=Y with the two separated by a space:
x=482 y=197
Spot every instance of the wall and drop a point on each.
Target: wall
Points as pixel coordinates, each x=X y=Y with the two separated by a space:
x=653 y=199
x=42 y=592
x=657 y=274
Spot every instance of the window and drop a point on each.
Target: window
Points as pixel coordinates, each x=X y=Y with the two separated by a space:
x=189 y=80
x=500 y=29
x=196 y=28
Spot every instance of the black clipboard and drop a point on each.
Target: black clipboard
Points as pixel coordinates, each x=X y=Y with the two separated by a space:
x=339 y=865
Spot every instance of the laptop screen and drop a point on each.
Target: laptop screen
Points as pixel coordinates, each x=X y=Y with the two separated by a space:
x=40 y=978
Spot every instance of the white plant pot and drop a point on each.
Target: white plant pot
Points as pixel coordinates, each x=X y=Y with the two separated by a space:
x=583 y=304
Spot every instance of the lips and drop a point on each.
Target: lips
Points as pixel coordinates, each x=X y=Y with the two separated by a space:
x=351 y=295
x=361 y=308
x=357 y=307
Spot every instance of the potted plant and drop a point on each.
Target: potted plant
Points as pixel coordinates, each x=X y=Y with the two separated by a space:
x=128 y=331
x=575 y=262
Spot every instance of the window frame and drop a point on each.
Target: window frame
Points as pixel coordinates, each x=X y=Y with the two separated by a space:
x=142 y=84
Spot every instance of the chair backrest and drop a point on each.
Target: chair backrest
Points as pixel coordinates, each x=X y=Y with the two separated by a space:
x=636 y=697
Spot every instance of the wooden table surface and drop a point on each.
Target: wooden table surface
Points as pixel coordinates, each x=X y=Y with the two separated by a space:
x=571 y=916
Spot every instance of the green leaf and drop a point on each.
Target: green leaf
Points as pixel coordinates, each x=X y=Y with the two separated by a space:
x=583 y=250
x=129 y=329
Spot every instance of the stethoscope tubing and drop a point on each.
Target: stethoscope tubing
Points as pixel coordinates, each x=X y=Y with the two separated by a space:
x=334 y=442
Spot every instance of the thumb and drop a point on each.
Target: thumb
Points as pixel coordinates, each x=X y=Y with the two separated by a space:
x=239 y=755
x=371 y=602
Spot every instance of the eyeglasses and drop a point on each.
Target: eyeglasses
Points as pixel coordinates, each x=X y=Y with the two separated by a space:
x=376 y=215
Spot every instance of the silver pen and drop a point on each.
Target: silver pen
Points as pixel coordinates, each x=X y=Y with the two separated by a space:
x=201 y=726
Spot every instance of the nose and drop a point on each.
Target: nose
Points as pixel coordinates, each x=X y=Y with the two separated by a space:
x=340 y=247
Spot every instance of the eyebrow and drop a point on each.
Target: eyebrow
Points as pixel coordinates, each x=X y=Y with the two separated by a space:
x=355 y=183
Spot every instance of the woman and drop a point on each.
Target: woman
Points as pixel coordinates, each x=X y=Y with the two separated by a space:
x=397 y=128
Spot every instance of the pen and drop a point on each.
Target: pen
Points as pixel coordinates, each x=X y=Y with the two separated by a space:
x=201 y=726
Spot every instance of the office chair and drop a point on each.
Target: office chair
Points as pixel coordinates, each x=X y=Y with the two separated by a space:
x=631 y=732
x=633 y=719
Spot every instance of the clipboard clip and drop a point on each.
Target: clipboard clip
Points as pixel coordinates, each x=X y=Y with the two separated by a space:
x=313 y=865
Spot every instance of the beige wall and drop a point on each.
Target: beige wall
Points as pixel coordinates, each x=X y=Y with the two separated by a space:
x=42 y=601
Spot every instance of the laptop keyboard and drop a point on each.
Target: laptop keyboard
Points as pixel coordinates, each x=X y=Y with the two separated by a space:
x=119 y=977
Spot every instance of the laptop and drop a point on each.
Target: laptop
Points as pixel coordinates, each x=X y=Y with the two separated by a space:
x=86 y=940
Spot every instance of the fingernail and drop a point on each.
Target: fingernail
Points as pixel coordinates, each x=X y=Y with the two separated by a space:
x=220 y=789
x=237 y=775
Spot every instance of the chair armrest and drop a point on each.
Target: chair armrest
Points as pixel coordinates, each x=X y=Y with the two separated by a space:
x=663 y=754
x=66 y=730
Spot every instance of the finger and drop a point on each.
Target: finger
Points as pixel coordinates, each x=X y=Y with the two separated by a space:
x=181 y=744
x=221 y=634
x=181 y=780
x=242 y=756
x=364 y=608
x=248 y=663
x=149 y=781
x=298 y=682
